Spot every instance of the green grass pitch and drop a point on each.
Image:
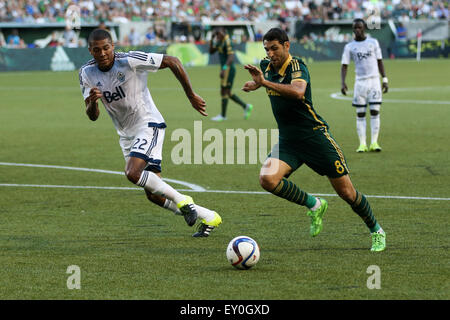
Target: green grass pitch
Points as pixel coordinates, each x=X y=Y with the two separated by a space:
x=127 y=248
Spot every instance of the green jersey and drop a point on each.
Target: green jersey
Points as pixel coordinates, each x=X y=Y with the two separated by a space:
x=225 y=49
x=296 y=118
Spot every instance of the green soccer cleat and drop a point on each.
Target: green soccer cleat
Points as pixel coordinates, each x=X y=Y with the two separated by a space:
x=205 y=227
x=188 y=210
x=247 y=111
x=316 y=218
x=374 y=146
x=362 y=148
x=378 y=242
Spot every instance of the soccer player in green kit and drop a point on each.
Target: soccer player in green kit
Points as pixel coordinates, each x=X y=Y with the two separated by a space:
x=303 y=138
x=227 y=73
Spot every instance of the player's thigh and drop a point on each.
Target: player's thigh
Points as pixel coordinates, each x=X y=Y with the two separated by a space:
x=275 y=169
x=281 y=162
x=322 y=154
x=374 y=95
x=228 y=78
x=125 y=144
x=148 y=145
x=360 y=91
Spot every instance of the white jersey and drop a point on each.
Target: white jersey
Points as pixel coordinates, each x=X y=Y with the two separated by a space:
x=124 y=87
x=365 y=54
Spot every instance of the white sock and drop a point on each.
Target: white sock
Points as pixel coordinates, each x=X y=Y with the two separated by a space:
x=151 y=182
x=317 y=205
x=170 y=205
x=203 y=213
x=375 y=127
x=361 y=130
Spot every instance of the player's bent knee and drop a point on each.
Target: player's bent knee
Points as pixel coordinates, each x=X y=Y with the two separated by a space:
x=361 y=115
x=374 y=112
x=133 y=175
x=347 y=195
x=268 y=183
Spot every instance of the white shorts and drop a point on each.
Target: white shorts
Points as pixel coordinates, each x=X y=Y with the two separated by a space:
x=147 y=144
x=367 y=91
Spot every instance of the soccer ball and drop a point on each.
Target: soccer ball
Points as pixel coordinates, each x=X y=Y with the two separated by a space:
x=243 y=252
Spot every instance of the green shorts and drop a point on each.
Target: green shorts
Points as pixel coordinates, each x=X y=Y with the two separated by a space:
x=228 y=78
x=320 y=152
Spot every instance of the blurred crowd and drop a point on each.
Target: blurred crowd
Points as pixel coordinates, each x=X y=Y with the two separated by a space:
x=94 y=11
x=160 y=12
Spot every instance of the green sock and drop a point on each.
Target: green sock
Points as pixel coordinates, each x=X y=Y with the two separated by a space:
x=224 y=107
x=289 y=191
x=236 y=99
x=362 y=207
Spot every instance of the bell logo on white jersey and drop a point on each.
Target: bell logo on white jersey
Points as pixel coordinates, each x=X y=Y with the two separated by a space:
x=114 y=96
x=363 y=55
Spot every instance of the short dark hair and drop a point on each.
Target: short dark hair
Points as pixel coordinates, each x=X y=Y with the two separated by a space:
x=276 y=34
x=357 y=20
x=99 y=34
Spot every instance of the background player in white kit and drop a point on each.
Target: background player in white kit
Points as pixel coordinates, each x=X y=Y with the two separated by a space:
x=120 y=81
x=366 y=54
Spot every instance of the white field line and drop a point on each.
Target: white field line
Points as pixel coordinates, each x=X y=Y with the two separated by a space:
x=339 y=96
x=208 y=191
x=194 y=187
x=154 y=88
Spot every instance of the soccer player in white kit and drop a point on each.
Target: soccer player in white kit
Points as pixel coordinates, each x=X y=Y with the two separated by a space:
x=366 y=54
x=120 y=81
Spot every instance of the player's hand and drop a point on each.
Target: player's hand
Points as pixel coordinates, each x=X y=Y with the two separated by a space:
x=250 y=86
x=344 y=89
x=256 y=74
x=385 y=88
x=199 y=104
x=94 y=94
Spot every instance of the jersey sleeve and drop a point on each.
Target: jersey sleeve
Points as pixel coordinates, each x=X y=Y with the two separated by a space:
x=84 y=84
x=346 y=55
x=145 y=61
x=299 y=72
x=378 y=54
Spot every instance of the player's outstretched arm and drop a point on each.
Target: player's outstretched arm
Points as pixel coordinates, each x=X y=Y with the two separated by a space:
x=175 y=65
x=92 y=110
x=343 y=75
